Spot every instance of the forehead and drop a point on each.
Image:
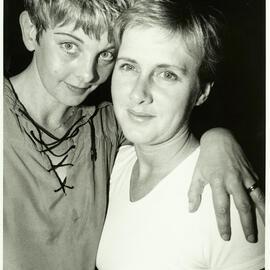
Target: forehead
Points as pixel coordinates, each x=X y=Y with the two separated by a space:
x=95 y=16
x=156 y=44
x=68 y=31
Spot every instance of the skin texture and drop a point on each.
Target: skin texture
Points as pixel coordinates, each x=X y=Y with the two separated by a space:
x=67 y=66
x=64 y=63
x=154 y=83
x=232 y=176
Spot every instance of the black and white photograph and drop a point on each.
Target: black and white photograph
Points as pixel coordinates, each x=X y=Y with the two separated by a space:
x=134 y=135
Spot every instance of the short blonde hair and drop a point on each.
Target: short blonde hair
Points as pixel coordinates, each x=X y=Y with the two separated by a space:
x=94 y=16
x=198 y=24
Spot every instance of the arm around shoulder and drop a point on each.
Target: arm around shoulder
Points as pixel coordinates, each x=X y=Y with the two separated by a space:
x=223 y=164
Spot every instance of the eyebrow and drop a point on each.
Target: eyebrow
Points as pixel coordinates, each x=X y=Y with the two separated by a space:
x=183 y=69
x=110 y=47
x=69 y=35
x=126 y=59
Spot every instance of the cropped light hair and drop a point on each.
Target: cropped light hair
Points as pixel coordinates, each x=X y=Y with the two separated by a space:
x=198 y=25
x=95 y=17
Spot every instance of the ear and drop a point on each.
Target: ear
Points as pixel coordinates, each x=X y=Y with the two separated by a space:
x=28 y=31
x=204 y=94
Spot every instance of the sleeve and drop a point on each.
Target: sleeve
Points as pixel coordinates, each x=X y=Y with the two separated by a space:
x=121 y=139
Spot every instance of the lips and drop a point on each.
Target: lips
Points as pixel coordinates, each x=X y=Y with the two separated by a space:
x=77 y=90
x=139 y=116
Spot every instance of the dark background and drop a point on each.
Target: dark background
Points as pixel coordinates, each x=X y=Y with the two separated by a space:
x=237 y=101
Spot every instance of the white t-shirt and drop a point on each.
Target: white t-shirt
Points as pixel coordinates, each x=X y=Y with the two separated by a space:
x=157 y=231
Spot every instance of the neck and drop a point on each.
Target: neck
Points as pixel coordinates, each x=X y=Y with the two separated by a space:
x=165 y=156
x=41 y=106
x=156 y=161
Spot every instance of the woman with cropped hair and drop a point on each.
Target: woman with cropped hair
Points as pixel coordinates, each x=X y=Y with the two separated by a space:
x=165 y=68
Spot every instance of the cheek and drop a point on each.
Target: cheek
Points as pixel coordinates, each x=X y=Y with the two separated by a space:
x=122 y=86
x=173 y=108
x=53 y=67
x=118 y=90
x=117 y=98
x=57 y=63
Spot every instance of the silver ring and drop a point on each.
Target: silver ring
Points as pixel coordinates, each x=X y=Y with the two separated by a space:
x=252 y=187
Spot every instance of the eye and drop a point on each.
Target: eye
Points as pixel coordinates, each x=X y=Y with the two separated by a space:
x=69 y=47
x=127 y=67
x=168 y=75
x=106 y=56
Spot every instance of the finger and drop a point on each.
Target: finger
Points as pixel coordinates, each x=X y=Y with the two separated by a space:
x=221 y=200
x=194 y=194
x=246 y=213
x=256 y=195
x=258 y=198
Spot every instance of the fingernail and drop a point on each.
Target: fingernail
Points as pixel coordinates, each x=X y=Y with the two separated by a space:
x=251 y=238
x=226 y=237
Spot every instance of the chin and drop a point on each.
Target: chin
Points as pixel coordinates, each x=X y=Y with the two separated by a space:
x=136 y=138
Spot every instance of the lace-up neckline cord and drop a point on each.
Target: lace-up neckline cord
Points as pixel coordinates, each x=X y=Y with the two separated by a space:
x=48 y=148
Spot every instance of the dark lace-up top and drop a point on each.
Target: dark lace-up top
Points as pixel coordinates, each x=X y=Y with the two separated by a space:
x=49 y=222
x=52 y=148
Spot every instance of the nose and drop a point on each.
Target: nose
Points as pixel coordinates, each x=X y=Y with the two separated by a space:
x=87 y=71
x=141 y=91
